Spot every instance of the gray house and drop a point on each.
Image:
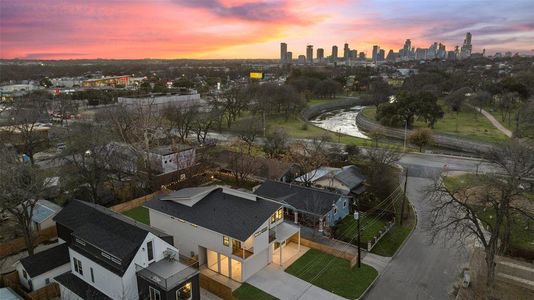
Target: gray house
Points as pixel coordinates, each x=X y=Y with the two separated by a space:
x=308 y=206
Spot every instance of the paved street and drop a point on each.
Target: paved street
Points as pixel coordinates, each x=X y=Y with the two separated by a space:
x=422 y=270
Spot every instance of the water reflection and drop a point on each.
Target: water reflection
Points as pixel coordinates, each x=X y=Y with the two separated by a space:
x=341 y=120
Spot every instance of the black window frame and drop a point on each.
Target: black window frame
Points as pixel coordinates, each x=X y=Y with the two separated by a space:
x=150 y=250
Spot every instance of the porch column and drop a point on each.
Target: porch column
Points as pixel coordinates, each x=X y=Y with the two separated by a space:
x=321 y=224
x=296 y=217
x=243 y=252
x=298 y=248
x=280 y=254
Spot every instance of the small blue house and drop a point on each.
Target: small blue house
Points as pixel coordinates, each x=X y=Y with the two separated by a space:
x=308 y=206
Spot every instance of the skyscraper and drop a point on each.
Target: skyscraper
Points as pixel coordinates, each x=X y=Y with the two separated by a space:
x=309 y=54
x=334 y=53
x=376 y=48
x=283 y=52
x=320 y=54
x=289 y=57
x=362 y=56
x=407 y=49
x=466 y=47
x=346 y=51
x=381 y=55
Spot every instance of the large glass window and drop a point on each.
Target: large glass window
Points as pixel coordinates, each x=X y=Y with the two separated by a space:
x=185 y=293
x=154 y=293
x=77 y=266
x=213 y=261
x=225 y=265
x=278 y=215
x=236 y=270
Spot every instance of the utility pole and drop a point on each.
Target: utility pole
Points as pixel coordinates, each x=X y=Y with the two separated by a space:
x=405 y=130
x=357 y=217
x=404 y=196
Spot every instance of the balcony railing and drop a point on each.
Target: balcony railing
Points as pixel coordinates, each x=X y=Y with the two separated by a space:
x=158 y=274
x=243 y=253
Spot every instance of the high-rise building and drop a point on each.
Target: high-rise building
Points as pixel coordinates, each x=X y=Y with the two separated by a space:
x=320 y=54
x=391 y=56
x=309 y=54
x=353 y=54
x=334 y=53
x=346 y=51
x=420 y=53
x=283 y=52
x=289 y=57
x=381 y=55
x=466 y=47
x=442 y=52
x=376 y=48
x=407 y=49
x=301 y=60
x=362 y=56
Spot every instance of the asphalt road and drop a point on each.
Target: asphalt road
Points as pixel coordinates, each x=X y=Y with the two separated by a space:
x=422 y=270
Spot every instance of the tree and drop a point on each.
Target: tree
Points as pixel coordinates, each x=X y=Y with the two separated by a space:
x=275 y=142
x=456 y=100
x=248 y=130
x=379 y=92
x=310 y=155
x=242 y=165
x=202 y=124
x=180 y=120
x=381 y=161
x=233 y=100
x=89 y=155
x=420 y=137
x=407 y=106
x=21 y=185
x=457 y=208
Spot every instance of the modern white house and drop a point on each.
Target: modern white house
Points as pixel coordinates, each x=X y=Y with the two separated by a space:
x=38 y=270
x=113 y=257
x=233 y=233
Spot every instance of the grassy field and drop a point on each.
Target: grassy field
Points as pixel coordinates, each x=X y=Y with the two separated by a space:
x=333 y=274
x=522 y=235
x=347 y=228
x=139 y=214
x=249 y=292
x=471 y=124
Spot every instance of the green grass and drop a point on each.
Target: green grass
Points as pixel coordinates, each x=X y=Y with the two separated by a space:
x=250 y=292
x=314 y=102
x=391 y=241
x=333 y=274
x=139 y=214
x=471 y=124
x=347 y=228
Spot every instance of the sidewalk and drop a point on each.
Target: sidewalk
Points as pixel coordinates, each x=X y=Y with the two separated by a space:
x=494 y=122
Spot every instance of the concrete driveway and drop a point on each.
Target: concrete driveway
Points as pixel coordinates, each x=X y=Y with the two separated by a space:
x=273 y=280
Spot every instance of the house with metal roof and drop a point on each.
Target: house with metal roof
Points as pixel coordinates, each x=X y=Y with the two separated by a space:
x=309 y=206
x=233 y=233
x=111 y=256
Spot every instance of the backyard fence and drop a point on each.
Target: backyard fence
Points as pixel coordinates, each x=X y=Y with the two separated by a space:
x=18 y=245
x=324 y=248
x=215 y=287
x=11 y=280
x=125 y=206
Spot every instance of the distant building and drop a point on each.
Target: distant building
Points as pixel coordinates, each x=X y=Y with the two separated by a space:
x=420 y=53
x=320 y=54
x=283 y=53
x=301 y=60
x=309 y=54
x=113 y=81
x=353 y=54
x=381 y=55
x=374 y=56
x=334 y=53
x=362 y=56
x=467 y=48
x=289 y=57
x=189 y=98
x=346 y=51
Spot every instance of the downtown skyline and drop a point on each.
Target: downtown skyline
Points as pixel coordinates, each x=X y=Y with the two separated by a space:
x=251 y=29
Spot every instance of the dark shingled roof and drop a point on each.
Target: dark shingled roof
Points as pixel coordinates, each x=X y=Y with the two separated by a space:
x=350 y=176
x=312 y=200
x=227 y=214
x=80 y=287
x=47 y=260
x=105 y=229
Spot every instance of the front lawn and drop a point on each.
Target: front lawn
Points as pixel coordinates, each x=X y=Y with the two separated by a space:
x=139 y=214
x=391 y=241
x=249 y=292
x=347 y=229
x=333 y=274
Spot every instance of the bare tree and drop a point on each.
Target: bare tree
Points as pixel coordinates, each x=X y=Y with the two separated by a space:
x=242 y=164
x=234 y=100
x=21 y=186
x=457 y=210
x=180 y=120
x=248 y=130
x=202 y=124
x=275 y=143
x=310 y=155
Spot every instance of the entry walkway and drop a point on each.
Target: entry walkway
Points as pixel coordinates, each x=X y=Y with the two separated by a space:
x=273 y=280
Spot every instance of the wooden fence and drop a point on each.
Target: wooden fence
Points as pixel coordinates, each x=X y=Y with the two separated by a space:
x=18 y=245
x=324 y=248
x=125 y=206
x=47 y=292
x=215 y=287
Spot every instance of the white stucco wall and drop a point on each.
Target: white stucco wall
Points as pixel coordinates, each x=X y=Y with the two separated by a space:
x=255 y=263
x=40 y=280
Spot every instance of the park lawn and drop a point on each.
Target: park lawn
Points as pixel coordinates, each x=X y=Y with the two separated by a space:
x=333 y=274
x=139 y=214
x=314 y=102
x=347 y=228
x=471 y=124
x=249 y=292
x=391 y=241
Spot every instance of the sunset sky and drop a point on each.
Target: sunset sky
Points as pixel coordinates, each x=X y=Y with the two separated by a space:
x=57 y=29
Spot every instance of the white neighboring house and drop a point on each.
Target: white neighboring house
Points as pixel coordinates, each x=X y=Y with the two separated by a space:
x=43 y=214
x=234 y=233
x=114 y=257
x=167 y=159
x=39 y=270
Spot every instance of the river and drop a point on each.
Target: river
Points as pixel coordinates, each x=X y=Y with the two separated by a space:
x=340 y=120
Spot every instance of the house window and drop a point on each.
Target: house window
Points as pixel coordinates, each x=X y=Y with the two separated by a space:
x=278 y=215
x=92 y=275
x=184 y=293
x=150 y=251
x=154 y=294
x=335 y=210
x=226 y=240
x=77 y=266
x=345 y=203
x=236 y=244
x=47 y=281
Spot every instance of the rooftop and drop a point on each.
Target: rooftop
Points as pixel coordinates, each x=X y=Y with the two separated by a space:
x=47 y=260
x=226 y=211
x=80 y=287
x=43 y=210
x=168 y=273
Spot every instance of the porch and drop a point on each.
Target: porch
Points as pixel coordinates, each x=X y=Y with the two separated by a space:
x=286 y=238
